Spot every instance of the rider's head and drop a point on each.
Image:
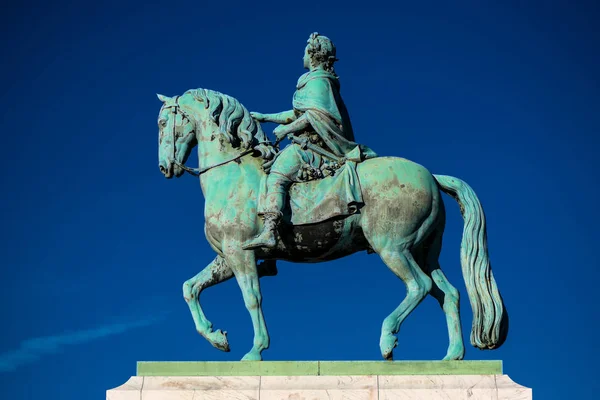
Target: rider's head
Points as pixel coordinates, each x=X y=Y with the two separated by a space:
x=319 y=51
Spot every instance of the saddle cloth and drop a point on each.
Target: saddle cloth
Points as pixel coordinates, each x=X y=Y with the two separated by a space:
x=321 y=199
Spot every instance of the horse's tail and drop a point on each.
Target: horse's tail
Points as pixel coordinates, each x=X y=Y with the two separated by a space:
x=490 y=319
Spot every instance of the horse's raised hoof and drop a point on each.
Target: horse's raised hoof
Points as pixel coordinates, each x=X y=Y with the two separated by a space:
x=252 y=356
x=219 y=340
x=455 y=353
x=387 y=343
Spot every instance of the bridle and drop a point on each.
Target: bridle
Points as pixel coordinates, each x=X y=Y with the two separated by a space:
x=195 y=171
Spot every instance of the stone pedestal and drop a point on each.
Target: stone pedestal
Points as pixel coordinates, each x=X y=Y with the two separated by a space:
x=320 y=380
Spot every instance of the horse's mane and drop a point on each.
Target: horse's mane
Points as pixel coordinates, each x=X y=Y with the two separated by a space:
x=234 y=120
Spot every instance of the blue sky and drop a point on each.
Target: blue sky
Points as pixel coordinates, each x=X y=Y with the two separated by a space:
x=96 y=244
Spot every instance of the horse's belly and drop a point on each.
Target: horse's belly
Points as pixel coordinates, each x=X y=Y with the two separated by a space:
x=324 y=241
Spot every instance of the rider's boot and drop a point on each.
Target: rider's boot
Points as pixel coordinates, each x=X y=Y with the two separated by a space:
x=277 y=184
x=267 y=237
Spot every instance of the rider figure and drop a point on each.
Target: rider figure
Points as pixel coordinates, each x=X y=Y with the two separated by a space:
x=319 y=117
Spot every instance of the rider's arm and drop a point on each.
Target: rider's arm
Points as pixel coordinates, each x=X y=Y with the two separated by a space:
x=297 y=126
x=284 y=117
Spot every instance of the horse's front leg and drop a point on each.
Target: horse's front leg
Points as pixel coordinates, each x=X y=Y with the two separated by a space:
x=215 y=272
x=243 y=265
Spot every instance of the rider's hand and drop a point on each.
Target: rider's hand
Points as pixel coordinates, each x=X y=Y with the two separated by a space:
x=267 y=165
x=280 y=132
x=266 y=152
x=258 y=116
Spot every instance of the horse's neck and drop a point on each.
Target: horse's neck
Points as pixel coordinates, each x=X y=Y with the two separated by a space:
x=224 y=179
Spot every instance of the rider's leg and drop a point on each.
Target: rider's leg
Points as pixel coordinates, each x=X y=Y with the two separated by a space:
x=280 y=178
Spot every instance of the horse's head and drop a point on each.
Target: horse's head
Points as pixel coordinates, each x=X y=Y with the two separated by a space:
x=176 y=137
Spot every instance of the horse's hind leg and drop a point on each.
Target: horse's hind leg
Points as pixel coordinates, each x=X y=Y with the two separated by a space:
x=215 y=272
x=418 y=285
x=447 y=296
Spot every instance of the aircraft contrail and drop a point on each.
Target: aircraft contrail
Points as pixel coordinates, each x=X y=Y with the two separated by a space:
x=31 y=350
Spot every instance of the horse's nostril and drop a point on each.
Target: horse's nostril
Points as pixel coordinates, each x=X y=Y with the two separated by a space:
x=162 y=169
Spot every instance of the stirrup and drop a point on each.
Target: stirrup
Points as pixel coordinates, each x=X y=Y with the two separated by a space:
x=272 y=219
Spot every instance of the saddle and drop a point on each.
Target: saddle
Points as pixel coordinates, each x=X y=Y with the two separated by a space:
x=321 y=199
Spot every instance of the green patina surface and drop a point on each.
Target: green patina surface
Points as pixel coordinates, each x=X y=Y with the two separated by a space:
x=313 y=368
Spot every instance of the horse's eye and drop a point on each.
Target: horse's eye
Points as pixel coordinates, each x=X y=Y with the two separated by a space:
x=162 y=123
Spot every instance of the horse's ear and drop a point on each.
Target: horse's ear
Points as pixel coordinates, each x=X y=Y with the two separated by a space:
x=162 y=98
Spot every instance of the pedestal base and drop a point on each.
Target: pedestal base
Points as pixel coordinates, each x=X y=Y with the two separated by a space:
x=296 y=386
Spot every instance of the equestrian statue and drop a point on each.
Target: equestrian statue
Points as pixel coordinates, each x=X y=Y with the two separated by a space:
x=322 y=197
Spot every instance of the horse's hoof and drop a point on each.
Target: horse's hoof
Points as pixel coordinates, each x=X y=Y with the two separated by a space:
x=219 y=340
x=387 y=343
x=252 y=356
x=455 y=353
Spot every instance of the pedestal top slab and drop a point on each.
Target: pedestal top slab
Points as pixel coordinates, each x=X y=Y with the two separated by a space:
x=316 y=368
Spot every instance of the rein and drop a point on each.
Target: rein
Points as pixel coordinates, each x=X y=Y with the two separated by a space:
x=200 y=171
x=197 y=171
